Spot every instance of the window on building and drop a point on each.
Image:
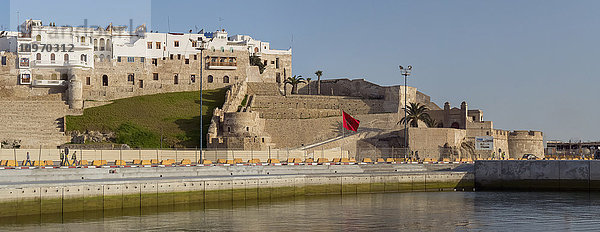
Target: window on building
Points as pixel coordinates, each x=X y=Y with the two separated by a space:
x=187 y=61
x=179 y=56
x=278 y=77
x=95 y=44
x=228 y=129
x=142 y=59
x=64 y=76
x=83 y=57
x=130 y=59
x=195 y=57
x=157 y=45
x=118 y=59
x=38 y=56
x=52 y=57
x=171 y=56
x=176 y=79
x=231 y=49
x=131 y=77
x=266 y=62
x=141 y=84
x=101 y=44
x=272 y=62
x=176 y=43
x=38 y=38
x=193 y=78
x=155 y=61
x=231 y=60
x=149 y=45
x=82 y=39
x=108 y=46
x=66 y=57
x=226 y=79
x=104 y=80
x=194 y=44
x=3 y=60
x=222 y=49
x=155 y=76
x=53 y=76
x=88 y=81
x=276 y=62
x=209 y=79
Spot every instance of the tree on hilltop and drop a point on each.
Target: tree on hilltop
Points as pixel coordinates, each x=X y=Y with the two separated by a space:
x=294 y=81
x=415 y=113
x=319 y=73
x=308 y=84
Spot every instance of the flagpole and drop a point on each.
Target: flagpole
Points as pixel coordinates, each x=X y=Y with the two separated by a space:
x=343 y=134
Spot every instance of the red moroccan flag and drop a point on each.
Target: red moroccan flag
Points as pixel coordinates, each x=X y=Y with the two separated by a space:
x=349 y=122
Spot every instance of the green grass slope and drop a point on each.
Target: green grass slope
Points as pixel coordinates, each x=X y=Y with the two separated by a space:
x=140 y=121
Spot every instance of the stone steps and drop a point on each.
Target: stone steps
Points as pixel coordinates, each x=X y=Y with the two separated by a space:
x=33 y=122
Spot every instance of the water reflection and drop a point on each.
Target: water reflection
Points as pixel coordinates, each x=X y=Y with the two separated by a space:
x=515 y=211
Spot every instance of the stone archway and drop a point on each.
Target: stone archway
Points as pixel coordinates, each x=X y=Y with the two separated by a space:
x=455 y=125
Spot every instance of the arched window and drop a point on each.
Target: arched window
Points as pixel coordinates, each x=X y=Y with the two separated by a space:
x=256 y=49
x=66 y=57
x=176 y=79
x=101 y=57
x=38 y=38
x=455 y=125
x=212 y=48
x=53 y=76
x=38 y=56
x=102 y=44
x=83 y=58
x=226 y=79
x=104 y=80
x=210 y=79
x=95 y=44
x=52 y=57
x=222 y=49
x=82 y=39
x=108 y=45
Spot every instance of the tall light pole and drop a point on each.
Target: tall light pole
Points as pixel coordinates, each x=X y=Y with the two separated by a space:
x=405 y=72
x=201 y=82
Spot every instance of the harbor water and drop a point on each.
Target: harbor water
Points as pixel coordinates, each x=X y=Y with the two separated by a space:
x=414 y=211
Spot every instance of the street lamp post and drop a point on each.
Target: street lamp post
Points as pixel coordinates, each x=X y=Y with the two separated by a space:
x=405 y=72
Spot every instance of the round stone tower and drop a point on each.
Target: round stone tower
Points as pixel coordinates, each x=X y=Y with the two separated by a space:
x=75 y=93
x=525 y=142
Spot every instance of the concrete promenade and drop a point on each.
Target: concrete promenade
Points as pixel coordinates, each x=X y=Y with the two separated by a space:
x=34 y=191
x=532 y=175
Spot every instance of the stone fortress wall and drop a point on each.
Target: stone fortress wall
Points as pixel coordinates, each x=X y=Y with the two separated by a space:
x=302 y=120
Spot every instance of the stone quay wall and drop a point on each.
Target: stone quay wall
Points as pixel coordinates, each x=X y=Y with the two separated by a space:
x=119 y=188
x=529 y=175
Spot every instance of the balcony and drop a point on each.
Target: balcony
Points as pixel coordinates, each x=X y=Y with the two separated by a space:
x=48 y=83
x=222 y=65
x=53 y=63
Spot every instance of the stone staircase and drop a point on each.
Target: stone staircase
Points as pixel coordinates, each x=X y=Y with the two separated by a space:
x=263 y=88
x=34 y=122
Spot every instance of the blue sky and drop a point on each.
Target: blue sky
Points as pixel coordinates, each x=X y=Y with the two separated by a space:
x=526 y=64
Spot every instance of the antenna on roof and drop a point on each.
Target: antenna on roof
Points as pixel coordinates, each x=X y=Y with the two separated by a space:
x=168 y=25
x=220 y=25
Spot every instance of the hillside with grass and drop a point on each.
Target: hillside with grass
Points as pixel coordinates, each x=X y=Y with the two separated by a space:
x=142 y=121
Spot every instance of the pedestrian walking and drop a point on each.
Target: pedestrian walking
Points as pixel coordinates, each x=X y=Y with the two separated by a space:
x=28 y=161
x=62 y=158
x=74 y=158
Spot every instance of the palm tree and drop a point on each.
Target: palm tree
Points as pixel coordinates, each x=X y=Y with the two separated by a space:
x=308 y=84
x=294 y=81
x=430 y=122
x=415 y=113
x=319 y=73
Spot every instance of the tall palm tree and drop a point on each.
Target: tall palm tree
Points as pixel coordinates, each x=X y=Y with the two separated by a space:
x=415 y=113
x=431 y=122
x=319 y=73
x=294 y=81
x=308 y=84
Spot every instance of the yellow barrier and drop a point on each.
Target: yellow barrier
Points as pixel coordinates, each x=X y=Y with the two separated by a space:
x=309 y=160
x=186 y=162
x=154 y=161
x=336 y=160
x=98 y=162
x=446 y=160
x=273 y=161
x=237 y=161
x=353 y=160
x=322 y=160
x=83 y=162
x=49 y=163
x=379 y=160
x=120 y=162
x=3 y=162
x=37 y=163
x=137 y=162
x=205 y=161
x=221 y=161
x=389 y=160
x=367 y=160
x=229 y=162
x=146 y=162
x=166 y=162
x=345 y=160
x=11 y=163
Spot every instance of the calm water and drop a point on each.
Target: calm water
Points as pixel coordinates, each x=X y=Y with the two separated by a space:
x=429 y=211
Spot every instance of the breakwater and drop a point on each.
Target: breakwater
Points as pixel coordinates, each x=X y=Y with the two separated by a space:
x=533 y=175
x=29 y=192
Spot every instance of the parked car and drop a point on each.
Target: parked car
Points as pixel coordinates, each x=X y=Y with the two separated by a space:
x=529 y=156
